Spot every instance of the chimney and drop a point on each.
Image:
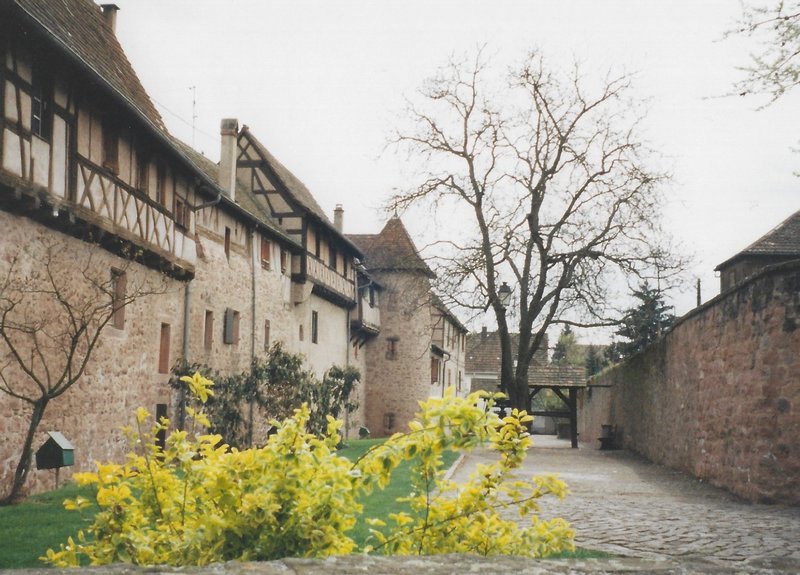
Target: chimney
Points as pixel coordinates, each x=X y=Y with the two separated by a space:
x=110 y=15
x=338 y=218
x=229 y=130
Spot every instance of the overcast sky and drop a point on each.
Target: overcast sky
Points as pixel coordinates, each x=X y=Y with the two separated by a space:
x=321 y=84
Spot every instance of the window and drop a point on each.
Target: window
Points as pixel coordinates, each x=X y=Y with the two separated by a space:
x=110 y=143
x=119 y=285
x=41 y=108
x=314 y=327
x=284 y=261
x=332 y=257
x=161 y=184
x=231 y=329
x=227 y=242
x=208 y=333
x=300 y=333
x=434 y=370
x=391 y=347
x=266 y=253
x=161 y=434
x=182 y=213
x=163 y=352
x=266 y=335
x=143 y=176
x=317 y=245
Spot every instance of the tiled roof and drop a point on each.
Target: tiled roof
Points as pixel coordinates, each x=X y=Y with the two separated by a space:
x=292 y=183
x=483 y=352
x=557 y=375
x=244 y=198
x=783 y=240
x=439 y=304
x=391 y=250
x=78 y=28
x=539 y=376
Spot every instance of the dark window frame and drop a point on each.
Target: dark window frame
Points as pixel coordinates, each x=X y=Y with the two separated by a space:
x=42 y=106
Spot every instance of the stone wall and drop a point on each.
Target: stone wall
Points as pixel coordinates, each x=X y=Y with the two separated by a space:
x=397 y=381
x=718 y=396
x=123 y=371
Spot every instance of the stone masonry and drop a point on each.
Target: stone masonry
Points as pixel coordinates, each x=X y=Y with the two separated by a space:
x=719 y=395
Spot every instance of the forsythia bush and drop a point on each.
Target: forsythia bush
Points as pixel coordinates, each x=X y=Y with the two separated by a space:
x=198 y=501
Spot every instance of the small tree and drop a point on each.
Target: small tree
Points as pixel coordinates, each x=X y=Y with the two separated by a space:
x=646 y=322
x=51 y=316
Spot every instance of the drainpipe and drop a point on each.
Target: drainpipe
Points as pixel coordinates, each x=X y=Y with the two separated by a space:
x=187 y=299
x=347 y=364
x=253 y=257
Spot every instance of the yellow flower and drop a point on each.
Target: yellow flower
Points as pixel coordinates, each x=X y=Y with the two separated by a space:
x=199 y=386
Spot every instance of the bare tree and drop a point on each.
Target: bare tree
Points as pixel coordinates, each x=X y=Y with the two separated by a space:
x=549 y=183
x=774 y=68
x=51 y=316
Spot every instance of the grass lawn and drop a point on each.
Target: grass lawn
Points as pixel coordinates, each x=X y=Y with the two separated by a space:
x=380 y=504
x=29 y=529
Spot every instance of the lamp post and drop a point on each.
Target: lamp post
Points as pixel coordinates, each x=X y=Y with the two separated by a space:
x=504 y=293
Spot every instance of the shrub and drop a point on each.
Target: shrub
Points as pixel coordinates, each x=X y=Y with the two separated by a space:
x=277 y=384
x=199 y=501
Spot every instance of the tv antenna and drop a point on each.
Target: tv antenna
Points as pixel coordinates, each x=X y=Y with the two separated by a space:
x=194 y=111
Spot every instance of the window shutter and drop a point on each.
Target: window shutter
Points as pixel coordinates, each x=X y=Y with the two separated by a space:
x=227 y=336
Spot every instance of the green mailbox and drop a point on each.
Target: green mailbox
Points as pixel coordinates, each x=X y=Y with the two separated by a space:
x=56 y=452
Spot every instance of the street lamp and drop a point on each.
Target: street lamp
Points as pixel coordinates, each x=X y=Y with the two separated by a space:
x=504 y=293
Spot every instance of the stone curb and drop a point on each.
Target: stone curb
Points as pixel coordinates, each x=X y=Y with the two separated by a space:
x=444 y=565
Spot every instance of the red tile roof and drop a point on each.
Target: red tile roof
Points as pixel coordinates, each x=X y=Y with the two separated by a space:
x=391 y=250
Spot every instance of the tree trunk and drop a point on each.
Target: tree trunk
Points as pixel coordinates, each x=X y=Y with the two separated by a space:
x=24 y=464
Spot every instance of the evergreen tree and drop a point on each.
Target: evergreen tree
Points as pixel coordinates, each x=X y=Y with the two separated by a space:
x=564 y=350
x=595 y=361
x=645 y=323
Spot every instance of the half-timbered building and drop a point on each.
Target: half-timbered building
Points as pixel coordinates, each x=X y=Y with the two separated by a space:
x=241 y=252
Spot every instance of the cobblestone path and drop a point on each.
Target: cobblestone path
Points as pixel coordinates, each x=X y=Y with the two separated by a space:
x=625 y=505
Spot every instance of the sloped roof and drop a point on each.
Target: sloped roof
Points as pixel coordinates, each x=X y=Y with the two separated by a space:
x=483 y=352
x=557 y=375
x=391 y=250
x=244 y=198
x=539 y=376
x=292 y=183
x=78 y=28
x=782 y=240
x=439 y=304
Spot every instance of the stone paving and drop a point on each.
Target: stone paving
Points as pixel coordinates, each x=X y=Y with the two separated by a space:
x=625 y=505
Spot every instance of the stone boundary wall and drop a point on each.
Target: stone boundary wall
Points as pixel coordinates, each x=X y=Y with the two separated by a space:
x=719 y=395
